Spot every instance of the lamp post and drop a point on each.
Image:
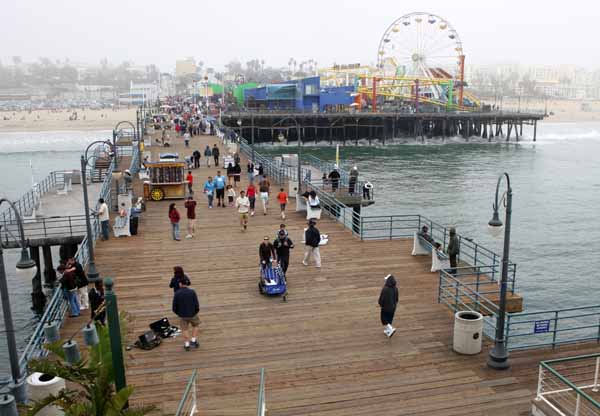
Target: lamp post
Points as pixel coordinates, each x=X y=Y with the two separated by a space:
x=114 y=331
x=92 y=274
x=498 y=355
x=27 y=269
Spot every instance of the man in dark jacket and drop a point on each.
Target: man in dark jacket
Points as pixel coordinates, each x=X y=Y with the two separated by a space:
x=388 y=299
x=186 y=307
x=215 y=154
x=282 y=245
x=312 y=238
x=334 y=177
x=196 y=156
x=453 y=250
x=81 y=282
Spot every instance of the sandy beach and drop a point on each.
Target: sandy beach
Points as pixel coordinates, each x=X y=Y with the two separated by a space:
x=559 y=111
x=44 y=120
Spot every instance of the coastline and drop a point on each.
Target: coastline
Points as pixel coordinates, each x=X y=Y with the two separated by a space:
x=44 y=120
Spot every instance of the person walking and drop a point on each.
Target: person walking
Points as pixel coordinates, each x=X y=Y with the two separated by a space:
x=229 y=171
x=174 y=218
x=220 y=182
x=104 y=217
x=388 y=299
x=190 y=206
x=196 y=155
x=186 y=139
x=282 y=245
x=453 y=250
x=178 y=276
x=215 y=153
x=250 y=171
x=264 y=186
x=209 y=190
x=96 y=297
x=312 y=238
x=251 y=194
x=266 y=252
x=237 y=174
x=190 y=182
x=243 y=206
x=334 y=178
x=186 y=306
x=282 y=197
x=207 y=155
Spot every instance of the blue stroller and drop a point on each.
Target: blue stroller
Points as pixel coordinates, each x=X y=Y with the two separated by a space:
x=272 y=281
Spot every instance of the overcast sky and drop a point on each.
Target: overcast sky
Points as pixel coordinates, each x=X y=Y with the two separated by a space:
x=341 y=31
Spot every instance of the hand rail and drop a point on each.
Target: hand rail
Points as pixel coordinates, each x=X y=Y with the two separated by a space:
x=562 y=384
x=188 y=405
x=261 y=408
x=57 y=306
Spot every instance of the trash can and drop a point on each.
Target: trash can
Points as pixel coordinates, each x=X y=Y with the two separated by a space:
x=468 y=331
x=40 y=385
x=133 y=224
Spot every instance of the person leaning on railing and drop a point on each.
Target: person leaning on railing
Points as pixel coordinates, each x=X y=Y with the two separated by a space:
x=453 y=250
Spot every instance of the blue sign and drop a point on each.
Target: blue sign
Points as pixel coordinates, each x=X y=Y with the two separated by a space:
x=540 y=327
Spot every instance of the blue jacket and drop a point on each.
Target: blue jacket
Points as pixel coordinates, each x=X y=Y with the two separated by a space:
x=209 y=187
x=185 y=303
x=220 y=182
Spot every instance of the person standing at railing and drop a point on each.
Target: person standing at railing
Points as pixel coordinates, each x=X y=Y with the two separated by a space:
x=453 y=250
x=388 y=299
x=104 y=217
x=81 y=282
x=352 y=180
x=69 y=287
x=334 y=178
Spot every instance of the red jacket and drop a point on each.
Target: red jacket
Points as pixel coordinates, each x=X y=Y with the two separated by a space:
x=174 y=216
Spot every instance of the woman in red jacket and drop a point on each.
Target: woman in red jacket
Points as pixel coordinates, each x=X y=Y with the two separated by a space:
x=174 y=218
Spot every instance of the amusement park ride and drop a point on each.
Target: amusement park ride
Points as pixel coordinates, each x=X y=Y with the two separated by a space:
x=420 y=61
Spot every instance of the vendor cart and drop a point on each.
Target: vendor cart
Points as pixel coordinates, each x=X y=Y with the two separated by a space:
x=167 y=180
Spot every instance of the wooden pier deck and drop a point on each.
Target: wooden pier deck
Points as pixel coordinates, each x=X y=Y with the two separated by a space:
x=323 y=350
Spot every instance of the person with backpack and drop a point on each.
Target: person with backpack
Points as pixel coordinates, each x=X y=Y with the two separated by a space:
x=388 y=299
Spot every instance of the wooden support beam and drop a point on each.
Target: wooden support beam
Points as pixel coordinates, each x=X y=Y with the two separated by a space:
x=534 y=130
x=49 y=270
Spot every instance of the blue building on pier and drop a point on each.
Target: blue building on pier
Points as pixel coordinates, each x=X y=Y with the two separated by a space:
x=303 y=94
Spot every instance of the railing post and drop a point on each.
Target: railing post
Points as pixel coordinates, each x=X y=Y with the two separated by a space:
x=194 y=398
x=475 y=256
x=456 y=296
x=494 y=267
x=577 y=404
x=391 y=226
x=595 y=387
x=361 y=227
x=507 y=334
x=555 y=327
x=538 y=396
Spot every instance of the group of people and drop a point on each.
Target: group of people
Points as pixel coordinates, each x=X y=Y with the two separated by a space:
x=74 y=285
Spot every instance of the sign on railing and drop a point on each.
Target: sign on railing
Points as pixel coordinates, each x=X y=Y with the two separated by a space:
x=570 y=386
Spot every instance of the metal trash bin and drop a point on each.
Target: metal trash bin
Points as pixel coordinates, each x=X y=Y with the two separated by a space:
x=468 y=332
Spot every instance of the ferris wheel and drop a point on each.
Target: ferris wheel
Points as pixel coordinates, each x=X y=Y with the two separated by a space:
x=421 y=46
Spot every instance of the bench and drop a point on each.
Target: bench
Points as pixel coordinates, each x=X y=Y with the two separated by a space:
x=422 y=247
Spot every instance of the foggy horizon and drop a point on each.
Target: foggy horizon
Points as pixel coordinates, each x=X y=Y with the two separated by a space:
x=508 y=32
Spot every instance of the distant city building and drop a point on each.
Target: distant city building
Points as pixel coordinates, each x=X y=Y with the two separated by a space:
x=185 y=67
x=139 y=94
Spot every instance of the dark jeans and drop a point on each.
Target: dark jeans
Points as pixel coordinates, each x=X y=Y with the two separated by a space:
x=284 y=262
x=453 y=264
x=216 y=160
x=387 y=317
x=196 y=162
x=104 y=226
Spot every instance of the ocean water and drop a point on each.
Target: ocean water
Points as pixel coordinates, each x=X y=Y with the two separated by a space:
x=23 y=156
x=556 y=194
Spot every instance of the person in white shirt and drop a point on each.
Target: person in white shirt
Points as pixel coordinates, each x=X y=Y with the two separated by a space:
x=104 y=217
x=243 y=205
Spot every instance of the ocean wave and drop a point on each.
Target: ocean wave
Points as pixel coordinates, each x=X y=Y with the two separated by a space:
x=48 y=141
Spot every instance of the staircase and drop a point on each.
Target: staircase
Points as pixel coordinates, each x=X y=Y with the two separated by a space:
x=100 y=170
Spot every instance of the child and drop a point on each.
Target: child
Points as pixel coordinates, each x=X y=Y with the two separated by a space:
x=230 y=194
x=282 y=197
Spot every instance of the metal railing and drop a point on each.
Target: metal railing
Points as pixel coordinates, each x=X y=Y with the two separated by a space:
x=45 y=227
x=188 y=405
x=31 y=199
x=57 y=306
x=567 y=385
x=261 y=407
x=551 y=328
x=460 y=294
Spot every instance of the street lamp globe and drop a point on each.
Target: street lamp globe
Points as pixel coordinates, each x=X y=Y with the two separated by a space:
x=239 y=122
x=26 y=268
x=495 y=226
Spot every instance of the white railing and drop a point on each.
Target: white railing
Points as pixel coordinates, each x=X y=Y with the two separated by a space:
x=261 y=408
x=188 y=406
x=568 y=385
